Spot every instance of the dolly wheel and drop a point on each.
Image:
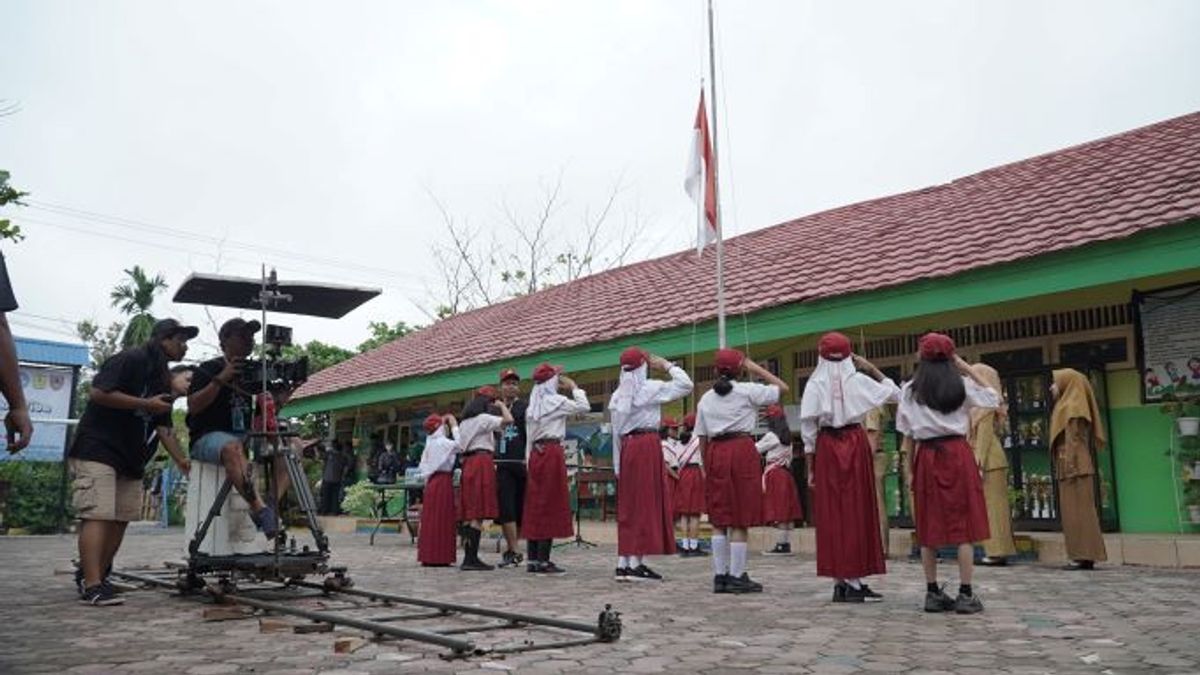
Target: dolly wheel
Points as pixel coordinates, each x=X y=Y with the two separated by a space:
x=609 y=626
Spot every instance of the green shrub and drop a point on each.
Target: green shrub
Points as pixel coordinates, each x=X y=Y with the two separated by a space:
x=361 y=500
x=33 y=496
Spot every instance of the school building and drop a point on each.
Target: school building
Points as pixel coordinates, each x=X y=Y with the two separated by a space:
x=1088 y=257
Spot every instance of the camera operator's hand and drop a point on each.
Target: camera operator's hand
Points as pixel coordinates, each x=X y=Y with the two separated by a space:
x=19 y=428
x=184 y=465
x=231 y=370
x=158 y=405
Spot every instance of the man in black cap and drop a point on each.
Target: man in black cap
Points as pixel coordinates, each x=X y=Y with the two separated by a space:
x=510 y=467
x=128 y=410
x=219 y=415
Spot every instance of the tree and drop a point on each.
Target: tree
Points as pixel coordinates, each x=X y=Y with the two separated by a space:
x=320 y=355
x=382 y=333
x=10 y=195
x=134 y=298
x=101 y=345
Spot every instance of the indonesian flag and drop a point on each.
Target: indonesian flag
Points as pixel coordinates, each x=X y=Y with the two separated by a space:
x=701 y=169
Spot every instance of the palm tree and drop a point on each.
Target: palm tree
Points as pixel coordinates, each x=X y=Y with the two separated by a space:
x=134 y=298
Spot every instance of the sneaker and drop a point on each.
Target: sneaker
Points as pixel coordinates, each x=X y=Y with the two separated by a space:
x=79 y=581
x=475 y=566
x=534 y=567
x=510 y=559
x=721 y=584
x=780 y=549
x=968 y=604
x=622 y=574
x=839 y=591
x=551 y=568
x=686 y=553
x=750 y=584
x=643 y=573
x=988 y=561
x=1079 y=565
x=938 y=602
x=266 y=521
x=100 y=595
x=869 y=595
x=699 y=553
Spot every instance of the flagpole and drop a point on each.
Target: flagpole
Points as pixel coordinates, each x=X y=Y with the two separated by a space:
x=712 y=71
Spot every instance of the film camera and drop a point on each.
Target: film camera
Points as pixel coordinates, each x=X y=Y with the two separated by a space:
x=273 y=373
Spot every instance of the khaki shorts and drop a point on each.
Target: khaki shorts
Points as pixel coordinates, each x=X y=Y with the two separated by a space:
x=101 y=494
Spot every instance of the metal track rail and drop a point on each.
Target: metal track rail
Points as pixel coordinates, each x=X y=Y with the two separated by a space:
x=383 y=626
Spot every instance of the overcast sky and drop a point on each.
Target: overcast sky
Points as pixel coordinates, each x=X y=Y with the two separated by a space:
x=198 y=136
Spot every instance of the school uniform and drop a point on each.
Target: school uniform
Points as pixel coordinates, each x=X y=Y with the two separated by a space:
x=689 y=489
x=947 y=489
x=547 y=512
x=436 y=544
x=733 y=485
x=781 y=499
x=477 y=443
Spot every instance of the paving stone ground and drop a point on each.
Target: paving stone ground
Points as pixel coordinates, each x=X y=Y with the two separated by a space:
x=1038 y=620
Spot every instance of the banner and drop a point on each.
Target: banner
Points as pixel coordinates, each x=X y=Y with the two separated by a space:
x=1169 y=342
x=48 y=392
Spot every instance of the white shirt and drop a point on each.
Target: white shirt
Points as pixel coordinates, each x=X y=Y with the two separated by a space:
x=774 y=450
x=837 y=395
x=555 y=409
x=670 y=449
x=921 y=423
x=438 y=455
x=478 y=432
x=645 y=408
x=735 y=412
x=686 y=454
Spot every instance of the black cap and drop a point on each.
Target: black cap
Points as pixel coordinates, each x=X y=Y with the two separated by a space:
x=238 y=325
x=170 y=328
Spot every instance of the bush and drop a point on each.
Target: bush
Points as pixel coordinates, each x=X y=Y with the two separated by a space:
x=33 y=496
x=361 y=500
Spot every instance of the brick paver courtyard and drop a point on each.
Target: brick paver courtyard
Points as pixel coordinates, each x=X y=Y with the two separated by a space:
x=1038 y=619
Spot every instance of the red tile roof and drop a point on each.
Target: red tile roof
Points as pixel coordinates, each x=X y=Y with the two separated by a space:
x=1106 y=189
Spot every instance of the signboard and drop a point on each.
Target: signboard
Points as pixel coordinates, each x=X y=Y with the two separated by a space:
x=1169 y=342
x=48 y=392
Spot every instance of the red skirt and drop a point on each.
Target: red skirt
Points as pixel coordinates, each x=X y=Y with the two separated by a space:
x=436 y=544
x=479 y=487
x=781 y=500
x=644 y=525
x=733 y=485
x=547 y=500
x=848 y=542
x=689 y=491
x=949 y=493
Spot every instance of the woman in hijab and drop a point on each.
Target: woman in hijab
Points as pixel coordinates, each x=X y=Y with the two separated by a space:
x=1076 y=435
x=993 y=463
x=781 y=500
x=644 y=525
x=841 y=392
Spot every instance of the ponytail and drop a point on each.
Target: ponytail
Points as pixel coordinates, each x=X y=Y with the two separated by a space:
x=724 y=384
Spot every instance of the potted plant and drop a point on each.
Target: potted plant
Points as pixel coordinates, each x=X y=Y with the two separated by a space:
x=1186 y=412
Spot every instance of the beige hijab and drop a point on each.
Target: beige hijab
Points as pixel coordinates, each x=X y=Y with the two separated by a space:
x=992 y=379
x=1075 y=400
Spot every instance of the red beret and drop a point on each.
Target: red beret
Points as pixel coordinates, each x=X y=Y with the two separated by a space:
x=775 y=410
x=488 y=391
x=935 y=347
x=729 y=360
x=689 y=420
x=433 y=422
x=834 y=346
x=509 y=374
x=632 y=358
x=545 y=372
x=667 y=422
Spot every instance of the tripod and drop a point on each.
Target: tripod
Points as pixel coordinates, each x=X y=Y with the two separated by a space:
x=578 y=541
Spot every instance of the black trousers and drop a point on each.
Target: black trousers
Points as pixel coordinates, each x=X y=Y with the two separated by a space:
x=330 y=498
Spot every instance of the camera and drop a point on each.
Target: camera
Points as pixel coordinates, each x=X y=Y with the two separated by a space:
x=279 y=375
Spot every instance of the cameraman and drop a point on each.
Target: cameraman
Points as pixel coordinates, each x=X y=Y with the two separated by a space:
x=128 y=404
x=219 y=413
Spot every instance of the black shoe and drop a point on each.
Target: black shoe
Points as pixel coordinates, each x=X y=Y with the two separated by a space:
x=968 y=604
x=1080 y=565
x=475 y=565
x=622 y=574
x=534 y=567
x=699 y=553
x=509 y=559
x=870 y=595
x=861 y=594
x=721 y=584
x=938 y=602
x=643 y=573
x=839 y=591
x=988 y=561
x=686 y=553
x=100 y=595
x=780 y=549
x=551 y=568
x=79 y=581
x=749 y=584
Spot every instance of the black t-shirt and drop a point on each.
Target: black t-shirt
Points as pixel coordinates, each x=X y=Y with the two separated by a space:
x=8 y=301
x=229 y=411
x=122 y=439
x=510 y=442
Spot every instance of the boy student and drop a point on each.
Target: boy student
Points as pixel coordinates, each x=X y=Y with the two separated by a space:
x=644 y=523
x=128 y=412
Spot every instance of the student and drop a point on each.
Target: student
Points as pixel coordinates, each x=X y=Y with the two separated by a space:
x=477 y=442
x=1076 y=434
x=510 y=467
x=547 y=506
x=436 y=544
x=668 y=432
x=689 y=489
x=841 y=392
x=781 y=500
x=935 y=411
x=990 y=457
x=725 y=417
x=644 y=523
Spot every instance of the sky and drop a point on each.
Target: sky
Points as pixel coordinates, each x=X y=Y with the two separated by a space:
x=315 y=137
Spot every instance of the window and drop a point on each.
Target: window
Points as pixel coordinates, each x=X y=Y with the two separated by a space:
x=1094 y=352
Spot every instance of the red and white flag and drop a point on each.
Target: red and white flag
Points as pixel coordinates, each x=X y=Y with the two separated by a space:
x=700 y=170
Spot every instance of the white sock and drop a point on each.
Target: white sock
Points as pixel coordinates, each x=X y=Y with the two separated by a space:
x=635 y=561
x=720 y=554
x=691 y=544
x=856 y=584
x=622 y=562
x=737 y=558
x=784 y=536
